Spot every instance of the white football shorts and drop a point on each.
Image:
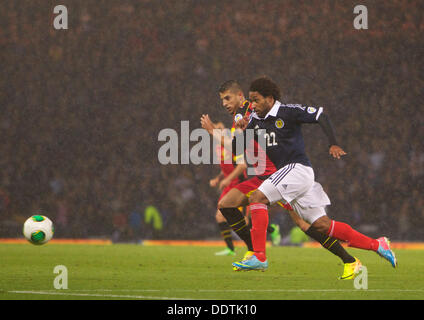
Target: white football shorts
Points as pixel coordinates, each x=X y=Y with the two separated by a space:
x=295 y=183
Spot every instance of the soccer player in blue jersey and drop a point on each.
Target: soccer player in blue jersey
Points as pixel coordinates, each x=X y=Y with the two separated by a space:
x=233 y=100
x=294 y=181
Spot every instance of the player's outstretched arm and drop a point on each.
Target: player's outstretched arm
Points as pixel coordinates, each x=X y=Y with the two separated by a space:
x=238 y=170
x=210 y=127
x=215 y=181
x=327 y=127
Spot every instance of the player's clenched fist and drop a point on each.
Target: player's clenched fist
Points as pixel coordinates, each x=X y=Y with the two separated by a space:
x=242 y=123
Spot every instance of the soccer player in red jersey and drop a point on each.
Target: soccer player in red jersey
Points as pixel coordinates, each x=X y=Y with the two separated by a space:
x=234 y=101
x=230 y=175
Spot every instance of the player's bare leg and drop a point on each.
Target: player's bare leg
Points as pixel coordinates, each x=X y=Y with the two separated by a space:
x=219 y=217
x=233 y=199
x=302 y=224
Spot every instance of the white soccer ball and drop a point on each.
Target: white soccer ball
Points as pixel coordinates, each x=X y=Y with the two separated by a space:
x=38 y=229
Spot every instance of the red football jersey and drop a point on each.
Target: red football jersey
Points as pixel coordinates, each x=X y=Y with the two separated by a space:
x=225 y=156
x=225 y=160
x=244 y=110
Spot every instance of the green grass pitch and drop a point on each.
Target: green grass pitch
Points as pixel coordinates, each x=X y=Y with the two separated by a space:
x=127 y=271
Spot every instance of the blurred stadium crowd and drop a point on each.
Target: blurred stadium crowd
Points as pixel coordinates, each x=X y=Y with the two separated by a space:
x=82 y=108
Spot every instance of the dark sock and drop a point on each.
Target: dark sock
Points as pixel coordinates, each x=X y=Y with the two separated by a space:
x=226 y=234
x=331 y=244
x=237 y=222
x=270 y=229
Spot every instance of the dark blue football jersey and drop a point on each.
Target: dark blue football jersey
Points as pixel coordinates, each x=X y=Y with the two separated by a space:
x=283 y=134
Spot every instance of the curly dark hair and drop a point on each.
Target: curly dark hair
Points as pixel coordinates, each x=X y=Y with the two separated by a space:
x=266 y=87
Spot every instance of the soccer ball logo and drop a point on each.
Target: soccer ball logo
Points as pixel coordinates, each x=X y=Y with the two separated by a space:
x=38 y=229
